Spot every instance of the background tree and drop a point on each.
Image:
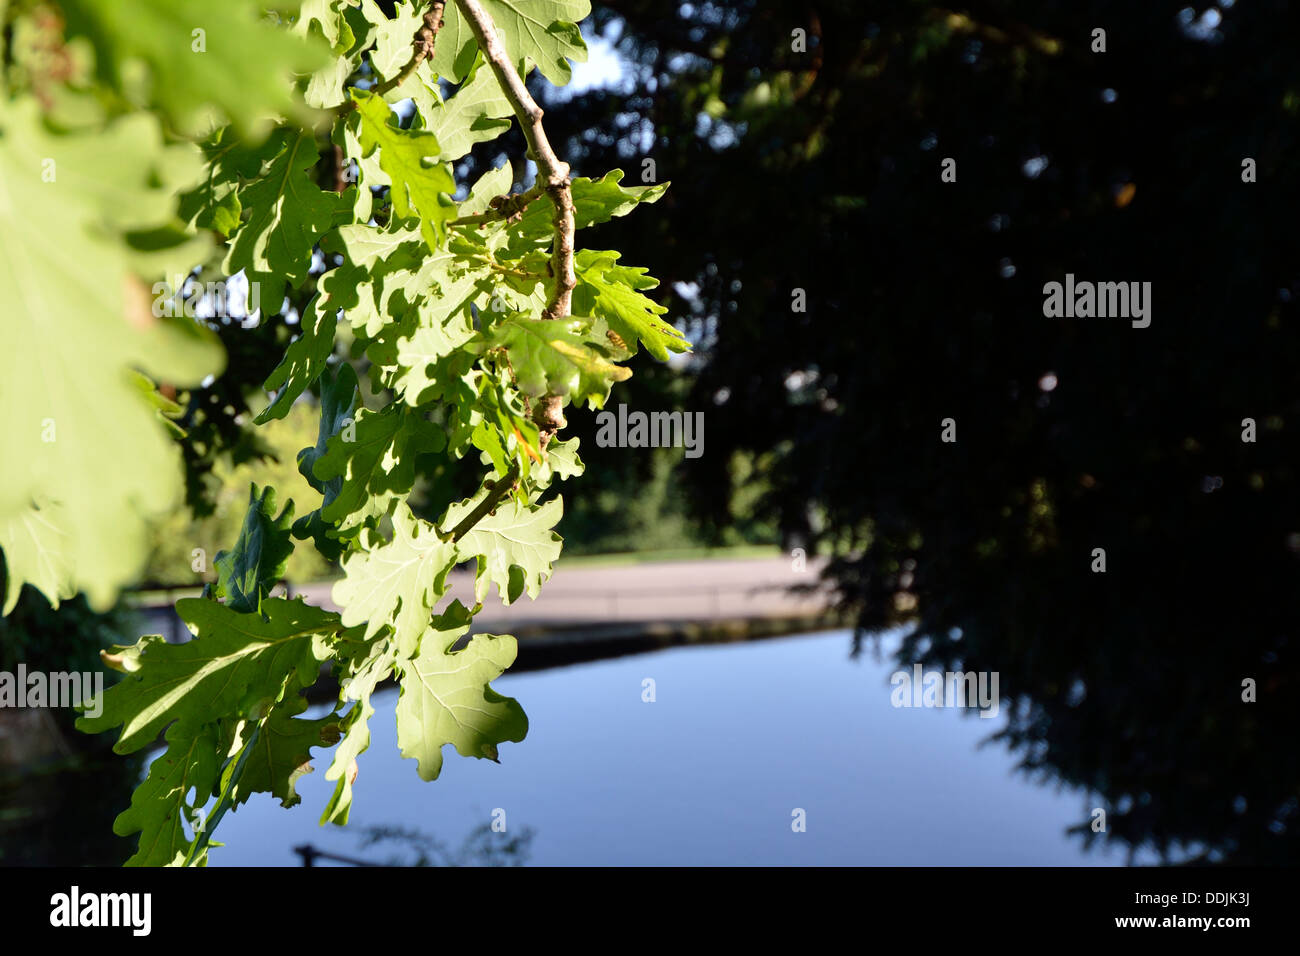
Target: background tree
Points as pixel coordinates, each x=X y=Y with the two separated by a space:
x=820 y=171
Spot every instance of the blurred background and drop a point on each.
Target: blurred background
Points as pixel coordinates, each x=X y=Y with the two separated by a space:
x=844 y=301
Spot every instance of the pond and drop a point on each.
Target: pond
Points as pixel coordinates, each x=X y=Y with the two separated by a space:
x=711 y=772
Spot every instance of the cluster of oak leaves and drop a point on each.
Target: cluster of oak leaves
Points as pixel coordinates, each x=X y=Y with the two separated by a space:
x=134 y=145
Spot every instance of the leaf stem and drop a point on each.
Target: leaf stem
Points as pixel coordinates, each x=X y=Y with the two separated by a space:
x=506 y=270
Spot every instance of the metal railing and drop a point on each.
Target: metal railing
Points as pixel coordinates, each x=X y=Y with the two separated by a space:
x=310 y=855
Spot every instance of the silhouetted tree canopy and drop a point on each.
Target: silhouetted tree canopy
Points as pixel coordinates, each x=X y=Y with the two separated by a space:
x=820 y=171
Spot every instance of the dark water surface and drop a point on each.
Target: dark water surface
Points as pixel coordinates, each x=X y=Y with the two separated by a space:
x=740 y=735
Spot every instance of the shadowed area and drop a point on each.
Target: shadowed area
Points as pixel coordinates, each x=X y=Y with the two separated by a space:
x=821 y=172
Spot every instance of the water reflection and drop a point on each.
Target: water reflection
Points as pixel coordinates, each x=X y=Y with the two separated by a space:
x=739 y=736
x=60 y=790
x=739 y=740
x=61 y=812
x=484 y=846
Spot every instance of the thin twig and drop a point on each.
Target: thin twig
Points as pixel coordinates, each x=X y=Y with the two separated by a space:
x=497 y=492
x=423 y=45
x=551 y=172
x=503 y=207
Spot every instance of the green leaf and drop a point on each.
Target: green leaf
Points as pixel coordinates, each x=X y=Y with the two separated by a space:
x=329 y=19
x=501 y=423
x=445 y=697
x=392 y=37
x=370 y=247
x=37 y=551
x=338 y=402
x=556 y=357
x=282 y=752
x=388 y=274
x=430 y=352
x=515 y=545
x=160 y=806
x=247 y=573
x=289 y=214
x=613 y=292
x=75 y=322
x=493 y=183
x=376 y=461
x=542 y=31
x=214 y=203
x=325 y=18
x=594 y=201
x=234 y=659
x=239 y=63
x=166 y=408
x=378 y=264
x=355 y=727
x=325 y=88
x=368 y=173
x=559 y=461
x=422 y=87
x=364 y=665
x=417 y=188
x=396 y=583
x=305 y=359
x=479 y=112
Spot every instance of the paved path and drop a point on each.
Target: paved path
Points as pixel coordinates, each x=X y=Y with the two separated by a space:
x=655 y=591
x=660 y=592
